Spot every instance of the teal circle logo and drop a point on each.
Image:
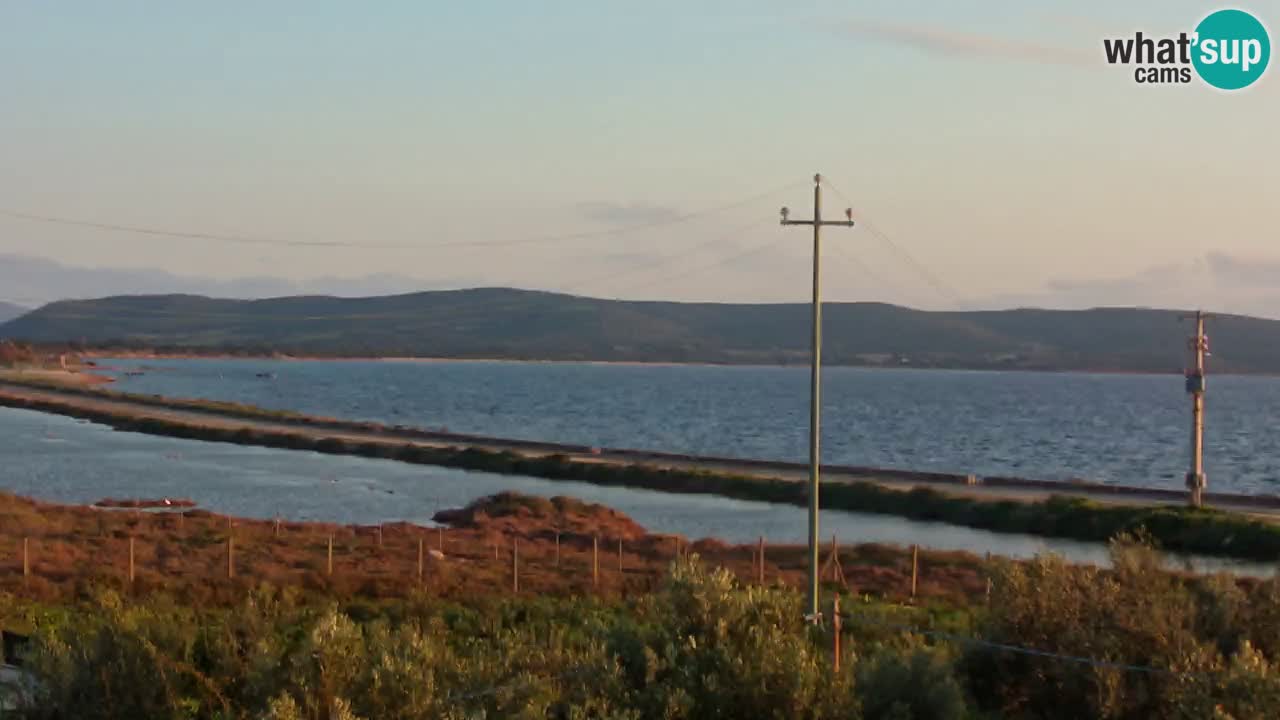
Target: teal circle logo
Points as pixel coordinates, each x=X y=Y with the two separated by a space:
x=1232 y=49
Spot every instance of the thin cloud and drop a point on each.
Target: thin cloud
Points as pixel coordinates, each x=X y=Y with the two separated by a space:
x=954 y=43
x=627 y=214
x=1234 y=271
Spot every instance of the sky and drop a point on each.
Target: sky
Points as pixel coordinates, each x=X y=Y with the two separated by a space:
x=638 y=150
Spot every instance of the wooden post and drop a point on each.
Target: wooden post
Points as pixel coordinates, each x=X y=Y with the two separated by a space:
x=379 y=536
x=419 y=559
x=619 y=556
x=760 y=554
x=835 y=632
x=231 y=557
x=26 y=558
x=515 y=565
x=277 y=526
x=440 y=539
x=557 y=549
x=915 y=568
x=131 y=561
x=595 y=561
x=330 y=568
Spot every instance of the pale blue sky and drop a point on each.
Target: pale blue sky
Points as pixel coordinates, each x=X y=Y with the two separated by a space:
x=989 y=139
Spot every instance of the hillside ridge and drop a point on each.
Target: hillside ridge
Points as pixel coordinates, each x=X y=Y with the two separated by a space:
x=505 y=323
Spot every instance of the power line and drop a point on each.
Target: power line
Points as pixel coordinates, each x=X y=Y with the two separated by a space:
x=942 y=288
x=254 y=240
x=613 y=232
x=753 y=250
x=858 y=264
x=665 y=259
x=188 y=235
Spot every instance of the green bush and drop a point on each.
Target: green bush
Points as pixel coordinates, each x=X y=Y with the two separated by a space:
x=912 y=685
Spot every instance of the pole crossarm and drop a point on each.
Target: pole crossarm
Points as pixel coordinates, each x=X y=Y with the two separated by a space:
x=814 y=614
x=824 y=223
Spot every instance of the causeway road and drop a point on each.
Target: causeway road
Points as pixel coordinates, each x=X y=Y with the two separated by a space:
x=81 y=401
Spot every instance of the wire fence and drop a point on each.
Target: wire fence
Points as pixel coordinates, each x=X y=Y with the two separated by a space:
x=198 y=552
x=167 y=551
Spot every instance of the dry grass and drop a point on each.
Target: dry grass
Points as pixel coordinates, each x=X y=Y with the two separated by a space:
x=73 y=549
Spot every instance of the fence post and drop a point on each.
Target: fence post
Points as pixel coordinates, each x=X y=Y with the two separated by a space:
x=330 y=567
x=835 y=632
x=619 y=556
x=760 y=553
x=379 y=536
x=419 y=559
x=515 y=565
x=26 y=558
x=440 y=539
x=915 y=568
x=131 y=560
x=557 y=549
x=986 y=568
x=595 y=561
x=231 y=557
x=277 y=526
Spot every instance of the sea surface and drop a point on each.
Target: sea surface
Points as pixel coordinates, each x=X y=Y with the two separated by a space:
x=66 y=460
x=1120 y=429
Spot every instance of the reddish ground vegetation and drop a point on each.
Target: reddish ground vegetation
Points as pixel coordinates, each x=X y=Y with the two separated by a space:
x=72 y=549
x=511 y=513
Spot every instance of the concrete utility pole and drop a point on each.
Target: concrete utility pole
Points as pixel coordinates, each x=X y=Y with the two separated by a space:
x=1199 y=346
x=815 y=382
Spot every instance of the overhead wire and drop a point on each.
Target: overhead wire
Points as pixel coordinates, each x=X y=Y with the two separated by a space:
x=257 y=240
x=664 y=259
x=937 y=284
x=614 y=232
x=748 y=252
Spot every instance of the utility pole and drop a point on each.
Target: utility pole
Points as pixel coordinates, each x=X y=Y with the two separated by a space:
x=815 y=382
x=1199 y=346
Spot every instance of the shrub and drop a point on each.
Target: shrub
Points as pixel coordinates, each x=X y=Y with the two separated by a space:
x=912 y=685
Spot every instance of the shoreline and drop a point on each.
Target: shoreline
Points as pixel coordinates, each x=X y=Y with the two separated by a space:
x=286 y=357
x=1247 y=527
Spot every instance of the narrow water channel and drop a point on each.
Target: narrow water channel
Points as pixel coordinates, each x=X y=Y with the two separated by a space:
x=61 y=459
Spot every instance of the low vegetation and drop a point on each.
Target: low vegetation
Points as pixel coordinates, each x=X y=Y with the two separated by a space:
x=183 y=555
x=1053 y=641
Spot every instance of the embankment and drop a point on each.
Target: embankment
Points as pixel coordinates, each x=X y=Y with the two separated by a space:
x=1089 y=513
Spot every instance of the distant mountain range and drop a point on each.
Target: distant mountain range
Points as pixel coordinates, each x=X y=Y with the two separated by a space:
x=521 y=324
x=9 y=311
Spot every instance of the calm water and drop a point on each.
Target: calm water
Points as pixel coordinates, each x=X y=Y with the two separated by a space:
x=1124 y=429
x=65 y=460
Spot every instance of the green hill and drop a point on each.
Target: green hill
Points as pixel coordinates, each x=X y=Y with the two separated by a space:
x=521 y=324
